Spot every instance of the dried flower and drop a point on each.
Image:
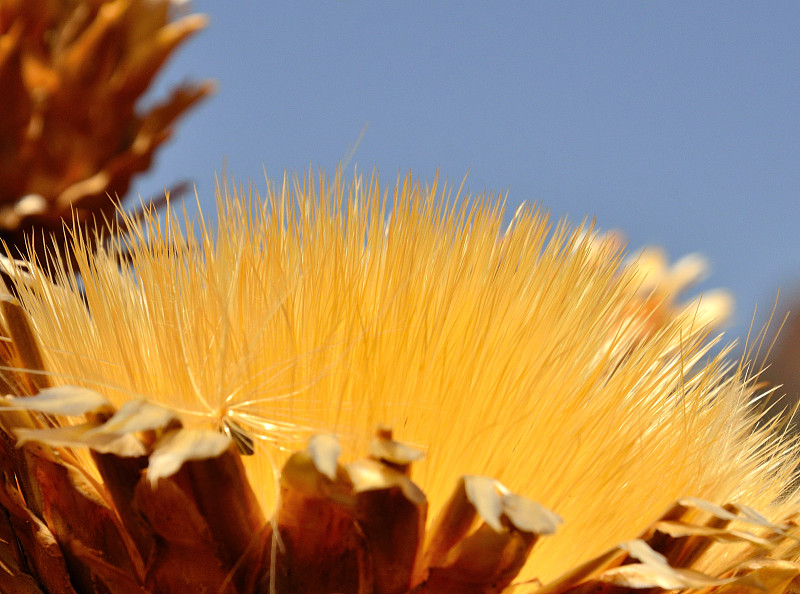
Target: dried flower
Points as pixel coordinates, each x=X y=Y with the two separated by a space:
x=71 y=132
x=517 y=354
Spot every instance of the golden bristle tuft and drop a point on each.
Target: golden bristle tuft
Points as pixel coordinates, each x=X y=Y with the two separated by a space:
x=532 y=353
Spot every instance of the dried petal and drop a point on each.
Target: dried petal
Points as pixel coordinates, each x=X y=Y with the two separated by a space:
x=324 y=451
x=751 y=516
x=394 y=452
x=641 y=575
x=527 y=515
x=482 y=492
x=76 y=436
x=654 y=571
x=369 y=475
x=136 y=415
x=181 y=445
x=62 y=400
x=488 y=558
x=682 y=530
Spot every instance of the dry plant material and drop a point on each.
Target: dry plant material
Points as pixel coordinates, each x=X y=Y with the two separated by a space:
x=185 y=398
x=71 y=133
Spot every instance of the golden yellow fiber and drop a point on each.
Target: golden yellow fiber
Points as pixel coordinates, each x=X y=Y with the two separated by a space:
x=522 y=353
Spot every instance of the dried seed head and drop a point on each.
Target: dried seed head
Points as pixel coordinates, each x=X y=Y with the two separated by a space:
x=517 y=354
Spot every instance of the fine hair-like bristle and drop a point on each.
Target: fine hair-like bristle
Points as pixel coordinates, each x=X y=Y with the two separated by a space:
x=525 y=353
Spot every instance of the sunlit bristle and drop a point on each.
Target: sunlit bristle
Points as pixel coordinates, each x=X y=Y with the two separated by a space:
x=527 y=352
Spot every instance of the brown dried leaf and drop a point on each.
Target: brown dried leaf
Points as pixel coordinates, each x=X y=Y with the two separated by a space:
x=42 y=553
x=25 y=343
x=184 y=558
x=484 y=562
x=114 y=578
x=210 y=528
x=323 y=549
x=391 y=513
x=13 y=569
x=76 y=512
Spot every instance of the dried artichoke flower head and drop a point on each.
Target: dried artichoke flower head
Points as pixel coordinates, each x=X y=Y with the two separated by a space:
x=73 y=135
x=526 y=353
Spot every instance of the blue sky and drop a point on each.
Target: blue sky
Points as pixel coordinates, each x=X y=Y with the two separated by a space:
x=677 y=123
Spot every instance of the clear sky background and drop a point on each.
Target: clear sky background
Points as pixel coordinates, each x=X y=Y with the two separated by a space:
x=677 y=123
